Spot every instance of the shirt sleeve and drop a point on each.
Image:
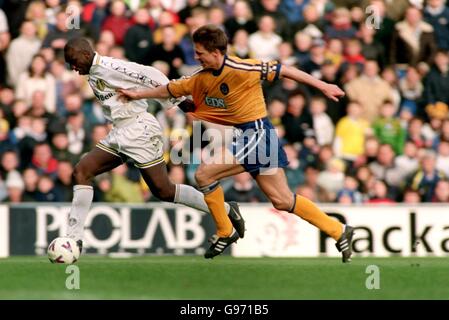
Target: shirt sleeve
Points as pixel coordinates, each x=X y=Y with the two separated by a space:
x=181 y=87
x=130 y=75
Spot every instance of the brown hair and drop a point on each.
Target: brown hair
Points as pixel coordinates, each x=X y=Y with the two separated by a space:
x=211 y=38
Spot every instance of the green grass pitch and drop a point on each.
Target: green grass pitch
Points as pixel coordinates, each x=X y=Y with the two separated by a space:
x=223 y=278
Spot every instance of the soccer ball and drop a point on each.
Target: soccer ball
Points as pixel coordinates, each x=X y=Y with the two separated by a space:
x=63 y=250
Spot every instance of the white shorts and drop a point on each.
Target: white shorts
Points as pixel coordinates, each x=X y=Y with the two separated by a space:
x=138 y=138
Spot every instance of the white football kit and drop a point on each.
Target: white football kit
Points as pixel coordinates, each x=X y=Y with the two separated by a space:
x=136 y=133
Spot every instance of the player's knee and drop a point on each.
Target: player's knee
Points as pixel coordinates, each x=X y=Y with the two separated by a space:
x=165 y=193
x=280 y=203
x=81 y=175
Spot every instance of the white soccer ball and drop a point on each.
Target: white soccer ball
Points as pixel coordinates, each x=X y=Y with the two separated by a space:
x=63 y=250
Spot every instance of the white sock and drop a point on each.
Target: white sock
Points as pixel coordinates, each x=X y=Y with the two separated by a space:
x=82 y=200
x=189 y=196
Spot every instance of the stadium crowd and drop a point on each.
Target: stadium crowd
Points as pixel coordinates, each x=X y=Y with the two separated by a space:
x=387 y=141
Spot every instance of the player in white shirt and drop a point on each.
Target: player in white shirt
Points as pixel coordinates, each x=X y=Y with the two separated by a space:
x=136 y=134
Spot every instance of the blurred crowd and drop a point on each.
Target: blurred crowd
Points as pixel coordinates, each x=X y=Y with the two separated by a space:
x=387 y=141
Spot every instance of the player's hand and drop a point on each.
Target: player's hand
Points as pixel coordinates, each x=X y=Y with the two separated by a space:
x=332 y=91
x=126 y=95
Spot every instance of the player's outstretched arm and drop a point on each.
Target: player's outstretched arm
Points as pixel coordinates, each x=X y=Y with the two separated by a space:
x=160 y=92
x=330 y=90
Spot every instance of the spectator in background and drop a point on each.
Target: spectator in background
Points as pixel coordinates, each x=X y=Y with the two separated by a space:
x=442 y=163
x=9 y=163
x=168 y=51
x=35 y=135
x=37 y=78
x=286 y=56
x=383 y=24
x=411 y=90
x=102 y=185
x=63 y=182
x=350 y=189
x=441 y=193
x=388 y=129
x=415 y=133
x=408 y=161
x=57 y=37
x=353 y=54
x=437 y=81
x=436 y=13
x=302 y=45
x=385 y=168
x=138 y=39
x=176 y=174
x=390 y=75
x=60 y=148
x=271 y=8
x=76 y=132
x=369 y=90
x=53 y=7
x=36 y=13
x=411 y=196
x=322 y=123
x=312 y=24
x=265 y=42
x=293 y=171
x=123 y=189
x=118 y=23
x=340 y=27
x=187 y=12
x=317 y=58
x=324 y=156
x=240 y=45
x=216 y=15
x=46 y=191
x=65 y=84
x=350 y=133
x=370 y=154
x=242 y=18
x=93 y=15
x=14 y=185
x=426 y=178
x=276 y=110
x=332 y=179
x=168 y=19
x=380 y=194
x=334 y=52
x=307 y=192
x=372 y=49
x=30 y=178
x=309 y=149
x=21 y=51
x=243 y=189
x=43 y=160
x=297 y=119
x=364 y=177
x=413 y=40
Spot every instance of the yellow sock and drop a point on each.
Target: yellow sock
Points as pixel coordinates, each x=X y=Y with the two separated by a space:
x=307 y=210
x=215 y=202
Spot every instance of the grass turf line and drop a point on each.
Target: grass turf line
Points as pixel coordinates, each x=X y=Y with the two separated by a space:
x=175 y=277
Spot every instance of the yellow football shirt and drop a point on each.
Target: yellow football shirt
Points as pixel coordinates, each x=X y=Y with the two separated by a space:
x=231 y=95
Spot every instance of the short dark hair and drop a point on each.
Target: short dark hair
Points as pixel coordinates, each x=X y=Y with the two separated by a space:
x=211 y=38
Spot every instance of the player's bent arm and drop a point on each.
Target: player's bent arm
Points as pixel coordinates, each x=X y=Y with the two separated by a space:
x=160 y=92
x=331 y=91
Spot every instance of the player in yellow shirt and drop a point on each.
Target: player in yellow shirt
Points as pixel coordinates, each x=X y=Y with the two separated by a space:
x=228 y=91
